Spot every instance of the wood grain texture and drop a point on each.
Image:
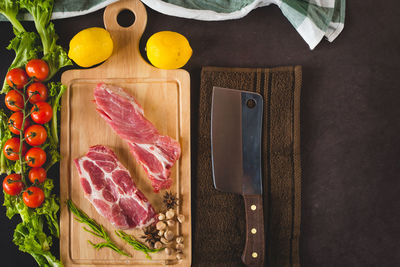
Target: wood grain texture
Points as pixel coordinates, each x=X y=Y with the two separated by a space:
x=165 y=98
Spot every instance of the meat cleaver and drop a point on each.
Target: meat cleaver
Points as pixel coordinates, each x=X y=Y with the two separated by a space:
x=236 y=124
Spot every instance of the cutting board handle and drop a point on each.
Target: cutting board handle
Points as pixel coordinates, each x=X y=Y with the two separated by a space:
x=126 y=39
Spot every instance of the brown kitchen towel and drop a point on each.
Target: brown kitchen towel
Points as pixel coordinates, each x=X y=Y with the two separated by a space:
x=219 y=218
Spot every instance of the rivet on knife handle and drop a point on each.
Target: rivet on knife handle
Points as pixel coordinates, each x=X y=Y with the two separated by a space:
x=254 y=250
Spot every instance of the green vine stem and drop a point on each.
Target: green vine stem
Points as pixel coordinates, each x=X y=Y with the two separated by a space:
x=22 y=128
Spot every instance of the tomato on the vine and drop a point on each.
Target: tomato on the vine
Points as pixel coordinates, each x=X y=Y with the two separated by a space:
x=14 y=100
x=37 y=174
x=41 y=112
x=33 y=197
x=37 y=92
x=12 y=184
x=17 y=77
x=11 y=148
x=35 y=135
x=37 y=68
x=35 y=157
x=15 y=122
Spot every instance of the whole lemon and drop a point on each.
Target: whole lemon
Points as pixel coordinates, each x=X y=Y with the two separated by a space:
x=90 y=46
x=168 y=50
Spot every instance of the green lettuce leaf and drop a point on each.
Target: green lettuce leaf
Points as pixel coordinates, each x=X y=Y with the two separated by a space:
x=9 y=9
x=6 y=166
x=54 y=54
x=26 y=46
x=50 y=208
x=41 y=11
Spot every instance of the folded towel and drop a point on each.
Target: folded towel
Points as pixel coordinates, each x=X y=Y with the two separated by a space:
x=219 y=218
x=313 y=19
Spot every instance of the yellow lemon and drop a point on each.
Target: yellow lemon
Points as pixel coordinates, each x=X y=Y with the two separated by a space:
x=168 y=50
x=90 y=46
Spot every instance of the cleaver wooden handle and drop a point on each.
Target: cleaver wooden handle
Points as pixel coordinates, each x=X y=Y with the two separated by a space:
x=254 y=250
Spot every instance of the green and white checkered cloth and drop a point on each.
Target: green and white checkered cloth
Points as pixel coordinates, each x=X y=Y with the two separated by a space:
x=313 y=19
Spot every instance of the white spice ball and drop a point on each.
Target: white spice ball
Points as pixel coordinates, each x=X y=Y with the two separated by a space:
x=164 y=241
x=180 y=256
x=171 y=223
x=158 y=245
x=179 y=246
x=169 y=235
x=161 y=217
x=161 y=225
x=181 y=218
x=161 y=232
x=179 y=239
x=170 y=214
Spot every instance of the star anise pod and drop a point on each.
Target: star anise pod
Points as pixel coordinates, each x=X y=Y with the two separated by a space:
x=151 y=235
x=170 y=200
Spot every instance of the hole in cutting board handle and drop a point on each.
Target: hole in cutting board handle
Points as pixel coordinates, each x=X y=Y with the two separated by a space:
x=126 y=18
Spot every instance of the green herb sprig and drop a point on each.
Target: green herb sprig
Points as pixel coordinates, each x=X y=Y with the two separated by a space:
x=136 y=244
x=96 y=229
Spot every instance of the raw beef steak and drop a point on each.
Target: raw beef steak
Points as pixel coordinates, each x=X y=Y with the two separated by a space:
x=155 y=152
x=109 y=187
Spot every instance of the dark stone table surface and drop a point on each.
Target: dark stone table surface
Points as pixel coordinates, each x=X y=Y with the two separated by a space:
x=350 y=121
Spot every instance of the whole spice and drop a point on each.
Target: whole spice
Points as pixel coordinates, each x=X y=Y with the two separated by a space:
x=179 y=239
x=179 y=256
x=169 y=235
x=181 y=218
x=161 y=225
x=151 y=235
x=161 y=233
x=171 y=223
x=170 y=200
x=161 y=217
x=179 y=246
x=164 y=241
x=158 y=245
x=170 y=214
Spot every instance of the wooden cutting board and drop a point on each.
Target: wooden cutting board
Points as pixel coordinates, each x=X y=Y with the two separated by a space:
x=165 y=98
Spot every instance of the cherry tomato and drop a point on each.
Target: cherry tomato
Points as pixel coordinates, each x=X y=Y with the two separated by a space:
x=15 y=122
x=37 y=92
x=33 y=197
x=35 y=135
x=37 y=68
x=35 y=157
x=14 y=100
x=12 y=184
x=37 y=174
x=41 y=112
x=17 y=76
x=11 y=148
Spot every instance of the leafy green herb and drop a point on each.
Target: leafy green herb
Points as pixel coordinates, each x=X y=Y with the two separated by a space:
x=136 y=244
x=95 y=229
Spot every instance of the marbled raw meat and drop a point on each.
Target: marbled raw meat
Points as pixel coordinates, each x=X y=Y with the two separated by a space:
x=109 y=187
x=155 y=152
